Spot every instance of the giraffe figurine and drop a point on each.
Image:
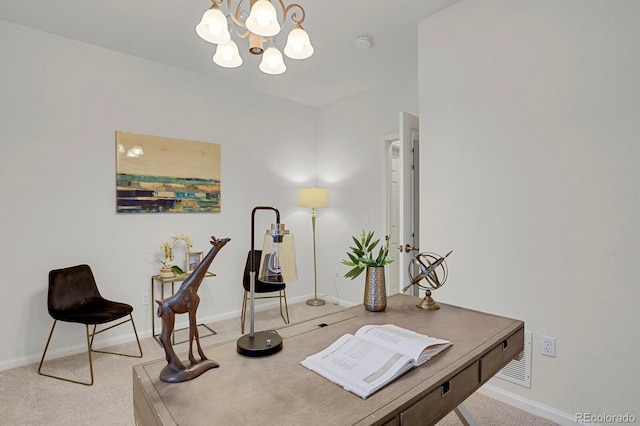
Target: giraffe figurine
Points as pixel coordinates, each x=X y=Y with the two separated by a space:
x=185 y=300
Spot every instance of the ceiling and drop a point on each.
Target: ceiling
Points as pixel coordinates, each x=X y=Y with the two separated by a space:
x=164 y=31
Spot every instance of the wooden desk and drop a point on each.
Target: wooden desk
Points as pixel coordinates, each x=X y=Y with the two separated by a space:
x=278 y=390
x=173 y=280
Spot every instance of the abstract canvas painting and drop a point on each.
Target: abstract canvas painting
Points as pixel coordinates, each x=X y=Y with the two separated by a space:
x=164 y=175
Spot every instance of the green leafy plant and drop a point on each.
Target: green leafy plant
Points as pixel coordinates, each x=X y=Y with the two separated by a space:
x=362 y=255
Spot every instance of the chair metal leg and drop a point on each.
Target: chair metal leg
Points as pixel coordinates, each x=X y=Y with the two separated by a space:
x=95 y=333
x=90 y=349
x=281 y=295
x=136 y=333
x=243 y=314
x=286 y=307
x=46 y=347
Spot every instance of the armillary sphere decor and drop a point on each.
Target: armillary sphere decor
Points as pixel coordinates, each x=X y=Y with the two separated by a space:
x=260 y=25
x=431 y=268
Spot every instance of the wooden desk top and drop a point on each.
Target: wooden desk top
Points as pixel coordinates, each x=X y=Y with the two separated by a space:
x=278 y=390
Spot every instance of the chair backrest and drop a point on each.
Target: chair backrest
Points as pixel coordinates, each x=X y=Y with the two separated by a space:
x=261 y=286
x=71 y=287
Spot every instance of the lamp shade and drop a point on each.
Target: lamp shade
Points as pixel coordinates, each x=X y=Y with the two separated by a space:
x=313 y=197
x=227 y=55
x=298 y=44
x=213 y=27
x=272 y=62
x=278 y=262
x=263 y=19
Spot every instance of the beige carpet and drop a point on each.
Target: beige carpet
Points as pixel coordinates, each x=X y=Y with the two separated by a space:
x=27 y=398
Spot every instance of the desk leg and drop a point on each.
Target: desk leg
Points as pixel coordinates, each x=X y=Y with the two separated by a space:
x=465 y=415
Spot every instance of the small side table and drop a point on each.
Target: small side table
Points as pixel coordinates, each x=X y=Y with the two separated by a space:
x=162 y=281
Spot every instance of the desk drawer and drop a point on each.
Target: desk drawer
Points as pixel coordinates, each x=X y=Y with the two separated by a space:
x=443 y=399
x=500 y=356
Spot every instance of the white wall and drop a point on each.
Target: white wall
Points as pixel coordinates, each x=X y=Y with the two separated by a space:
x=351 y=163
x=61 y=103
x=529 y=135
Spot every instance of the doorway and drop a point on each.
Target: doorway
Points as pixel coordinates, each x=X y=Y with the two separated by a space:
x=393 y=212
x=403 y=200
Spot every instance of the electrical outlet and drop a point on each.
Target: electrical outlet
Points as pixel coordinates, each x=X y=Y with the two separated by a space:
x=549 y=346
x=145 y=299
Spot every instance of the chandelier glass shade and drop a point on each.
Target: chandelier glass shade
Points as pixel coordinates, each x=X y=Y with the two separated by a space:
x=272 y=62
x=227 y=55
x=213 y=27
x=263 y=20
x=259 y=25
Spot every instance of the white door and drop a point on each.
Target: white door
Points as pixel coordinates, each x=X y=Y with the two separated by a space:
x=409 y=195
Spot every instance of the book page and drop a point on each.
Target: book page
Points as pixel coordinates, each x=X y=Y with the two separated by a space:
x=357 y=365
x=418 y=347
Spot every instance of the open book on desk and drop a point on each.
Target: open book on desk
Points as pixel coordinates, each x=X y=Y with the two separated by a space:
x=373 y=357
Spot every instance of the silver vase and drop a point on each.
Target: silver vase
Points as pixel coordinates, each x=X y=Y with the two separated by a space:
x=375 y=290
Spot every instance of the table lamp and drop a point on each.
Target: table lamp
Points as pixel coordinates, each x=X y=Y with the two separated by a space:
x=314 y=197
x=277 y=265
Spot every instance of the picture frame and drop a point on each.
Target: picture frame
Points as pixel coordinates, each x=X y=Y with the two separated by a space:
x=156 y=174
x=193 y=259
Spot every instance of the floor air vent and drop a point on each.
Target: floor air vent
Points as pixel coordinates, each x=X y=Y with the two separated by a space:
x=519 y=372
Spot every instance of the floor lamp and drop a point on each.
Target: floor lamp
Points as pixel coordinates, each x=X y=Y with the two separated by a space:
x=313 y=198
x=277 y=265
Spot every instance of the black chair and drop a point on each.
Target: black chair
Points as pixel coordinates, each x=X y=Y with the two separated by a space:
x=74 y=297
x=261 y=287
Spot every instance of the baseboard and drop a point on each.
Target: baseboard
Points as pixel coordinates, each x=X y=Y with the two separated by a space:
x=129 y=337
x=334 y=300
x=54 y=353
x=528 y=405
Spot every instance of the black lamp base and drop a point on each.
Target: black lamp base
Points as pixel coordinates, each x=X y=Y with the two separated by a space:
x=263 y=343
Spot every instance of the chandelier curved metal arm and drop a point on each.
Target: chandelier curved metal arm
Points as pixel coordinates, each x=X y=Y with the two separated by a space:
x=294 y=15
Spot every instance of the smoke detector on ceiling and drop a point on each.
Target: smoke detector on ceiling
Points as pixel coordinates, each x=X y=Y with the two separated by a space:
x=364 y=42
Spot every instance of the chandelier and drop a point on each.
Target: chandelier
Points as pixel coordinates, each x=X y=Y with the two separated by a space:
x=260 y=25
